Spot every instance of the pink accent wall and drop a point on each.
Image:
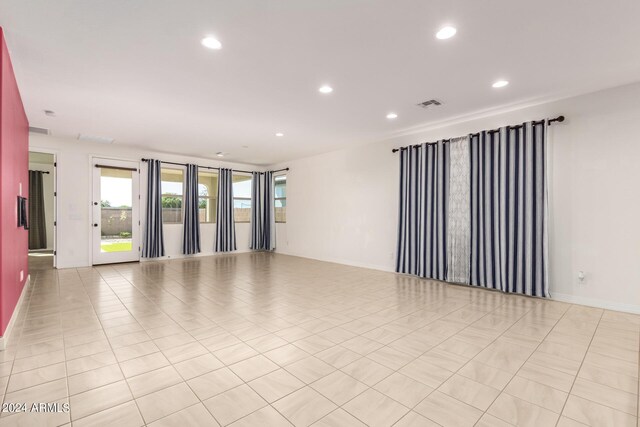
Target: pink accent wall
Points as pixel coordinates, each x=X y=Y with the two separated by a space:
x=14 y=170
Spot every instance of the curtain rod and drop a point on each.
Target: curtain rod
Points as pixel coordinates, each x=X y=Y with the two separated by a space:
x=212 y=168
x=558 y=119
x=33 y=170
x=120 y=168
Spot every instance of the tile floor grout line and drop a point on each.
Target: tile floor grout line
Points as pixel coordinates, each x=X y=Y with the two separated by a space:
x=425 y=352
x=170 y=364
x=225 y=366
x=159 y=351
x=124 y=378
x=200 y=401
x=603 y=311
x=13 y=359
x=313 y=355
x=471 y=359
x=408 y=333
x=64 y=351
x=466 y=363
x=21 y=337
x=525 y=362
x=398 y=369
x=485 y=347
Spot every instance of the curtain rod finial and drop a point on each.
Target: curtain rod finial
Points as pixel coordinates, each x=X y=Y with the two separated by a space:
x=558 y=119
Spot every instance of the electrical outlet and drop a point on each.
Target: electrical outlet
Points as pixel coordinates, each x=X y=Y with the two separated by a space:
x=581 y=277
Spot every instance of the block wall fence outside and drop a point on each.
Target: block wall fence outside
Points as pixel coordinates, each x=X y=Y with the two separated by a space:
x=118 y=220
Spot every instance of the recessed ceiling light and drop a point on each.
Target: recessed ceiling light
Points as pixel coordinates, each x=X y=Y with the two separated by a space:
x=500 y=83
x=211 y=43
x=220 y=154
x=279 y=134
x=446 y=32
x=392 y=116
x=325 y=89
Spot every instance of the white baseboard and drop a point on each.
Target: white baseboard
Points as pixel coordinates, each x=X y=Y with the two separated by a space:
x=340 y=261
x=164 y=258
x=592 y=302
x=16 y=312
x=572 y=299
x=201 y=254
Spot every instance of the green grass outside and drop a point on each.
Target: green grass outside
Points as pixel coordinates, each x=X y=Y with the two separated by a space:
x=116 y=247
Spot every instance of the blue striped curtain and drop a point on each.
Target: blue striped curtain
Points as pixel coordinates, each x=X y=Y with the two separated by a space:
x=509 y=210
x=225 y=223
x=262 y=212
x=485 y=210
x=191 y=220
x=422 y=226
x=153 y=244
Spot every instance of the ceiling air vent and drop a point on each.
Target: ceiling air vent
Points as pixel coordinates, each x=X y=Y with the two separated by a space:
x=93 y=138
x=41 y=131
x=430 y=103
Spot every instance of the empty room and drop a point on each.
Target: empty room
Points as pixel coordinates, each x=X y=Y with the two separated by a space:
x=319 y=213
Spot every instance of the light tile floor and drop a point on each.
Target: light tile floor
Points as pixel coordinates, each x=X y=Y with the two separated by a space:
x=40 y=260
x=270 y=340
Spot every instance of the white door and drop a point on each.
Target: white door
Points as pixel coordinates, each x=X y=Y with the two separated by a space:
x=116 y=211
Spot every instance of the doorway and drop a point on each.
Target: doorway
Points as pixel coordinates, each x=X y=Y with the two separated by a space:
x=42 y=211
x=116 y=211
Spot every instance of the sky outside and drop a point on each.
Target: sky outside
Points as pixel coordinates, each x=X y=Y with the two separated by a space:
x=117 y=191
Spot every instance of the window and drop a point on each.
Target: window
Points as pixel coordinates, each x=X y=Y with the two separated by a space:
x=208 y=194
x=280 y=199
x=242 y=197
x=172 y=192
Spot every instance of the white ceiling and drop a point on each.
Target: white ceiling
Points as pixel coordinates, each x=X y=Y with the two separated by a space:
x=135 y=70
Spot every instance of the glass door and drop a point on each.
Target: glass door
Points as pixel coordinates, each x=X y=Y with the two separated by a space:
x=116 y=211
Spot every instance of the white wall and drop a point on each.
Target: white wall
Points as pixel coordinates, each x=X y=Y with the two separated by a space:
x=74 y=174
x=47 y=190
x=342 y=206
